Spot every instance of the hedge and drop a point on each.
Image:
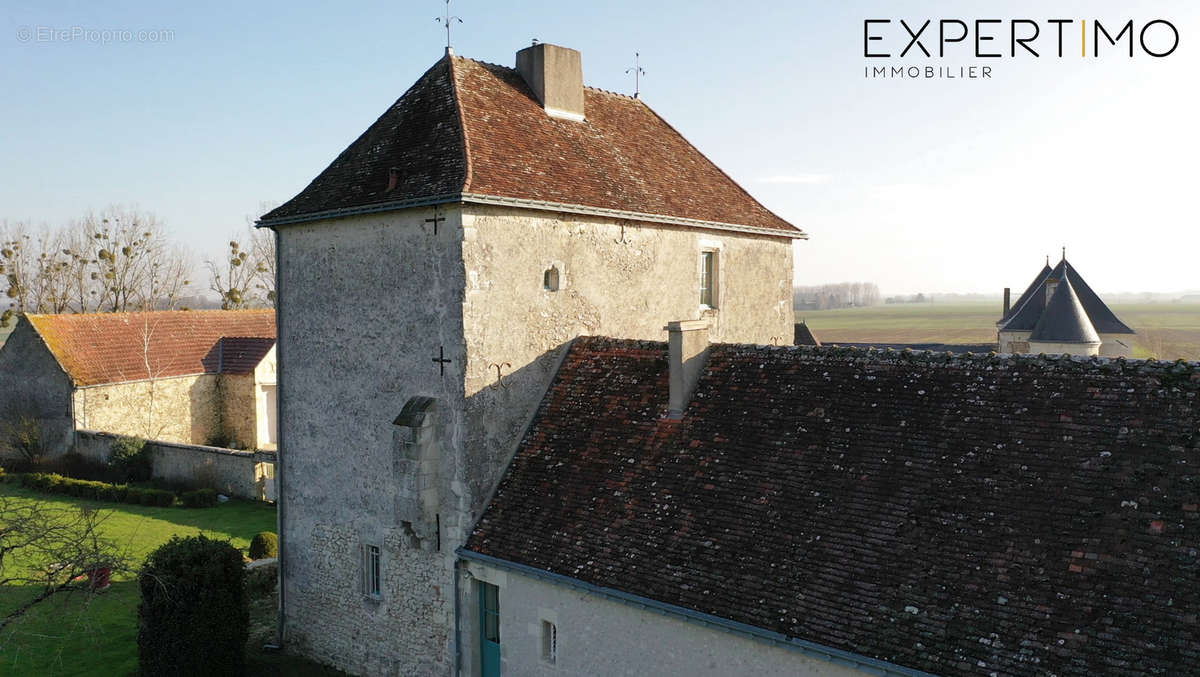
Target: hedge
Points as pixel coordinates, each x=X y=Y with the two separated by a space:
x=98 y=491
x=193 y=618
x=200 y=498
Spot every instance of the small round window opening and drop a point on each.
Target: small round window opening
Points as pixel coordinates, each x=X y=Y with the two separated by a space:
x=550 y=279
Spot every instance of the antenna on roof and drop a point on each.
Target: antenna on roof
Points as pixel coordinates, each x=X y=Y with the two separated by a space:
x=638 y=72
x=446 y=21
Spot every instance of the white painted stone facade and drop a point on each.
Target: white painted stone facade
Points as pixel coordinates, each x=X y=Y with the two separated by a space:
x=602 y=636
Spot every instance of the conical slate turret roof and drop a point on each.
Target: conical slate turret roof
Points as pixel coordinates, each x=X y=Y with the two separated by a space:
x=1065 y=320
x=1029 y=308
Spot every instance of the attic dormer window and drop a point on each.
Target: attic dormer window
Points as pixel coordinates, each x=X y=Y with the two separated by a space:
x=550 y=279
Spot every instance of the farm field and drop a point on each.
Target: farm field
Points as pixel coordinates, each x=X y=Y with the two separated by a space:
x=1166 y=331
x=68 y=635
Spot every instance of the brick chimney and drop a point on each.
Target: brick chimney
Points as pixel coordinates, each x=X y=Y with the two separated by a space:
x=687 y=353
x=555 y=74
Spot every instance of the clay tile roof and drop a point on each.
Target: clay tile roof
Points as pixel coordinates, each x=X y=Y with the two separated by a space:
x=979 y=515
x=104 y=348
x=237 y=355
x=468 y=128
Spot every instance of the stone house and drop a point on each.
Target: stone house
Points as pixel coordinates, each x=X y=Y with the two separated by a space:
x=492 y=485
x=1060 y=314
x=439 y=266
x=193 y=377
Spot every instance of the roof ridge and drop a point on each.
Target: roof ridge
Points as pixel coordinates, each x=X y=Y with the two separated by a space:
x=462 y=124
x=933 y=357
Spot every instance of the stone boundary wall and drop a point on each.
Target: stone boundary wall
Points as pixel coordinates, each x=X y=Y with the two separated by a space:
x=241 y=474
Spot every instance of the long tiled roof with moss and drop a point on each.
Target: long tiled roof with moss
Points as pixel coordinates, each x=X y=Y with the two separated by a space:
x=101 y=348
x=960 y=515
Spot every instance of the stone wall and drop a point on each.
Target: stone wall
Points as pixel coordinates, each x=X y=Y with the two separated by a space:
x=239 y=405
x=184 y=409
x=365 y=306
x=616 y=278
x=589 y=626
x=241 y=474
x=33 y=384
x=377 y=300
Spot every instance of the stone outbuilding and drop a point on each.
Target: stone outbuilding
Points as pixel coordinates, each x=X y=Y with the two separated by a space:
x=1060 y=314
x=192 y=377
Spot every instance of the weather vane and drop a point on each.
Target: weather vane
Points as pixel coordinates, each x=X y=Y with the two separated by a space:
x=447 y=20
x=637 y=71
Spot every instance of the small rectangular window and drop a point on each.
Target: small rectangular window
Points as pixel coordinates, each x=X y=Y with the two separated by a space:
x=708 y=279
x=372 y=586
x=549 y=642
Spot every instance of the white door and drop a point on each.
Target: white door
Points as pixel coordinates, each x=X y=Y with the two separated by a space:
x=268 y=430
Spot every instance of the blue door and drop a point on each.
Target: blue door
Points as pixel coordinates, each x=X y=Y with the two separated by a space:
x=489 y=629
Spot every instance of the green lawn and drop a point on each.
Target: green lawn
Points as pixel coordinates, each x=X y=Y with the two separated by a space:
x=70 y=636
x=1165 y=330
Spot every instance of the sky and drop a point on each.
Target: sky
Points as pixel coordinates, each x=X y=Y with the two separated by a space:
x=203 y=112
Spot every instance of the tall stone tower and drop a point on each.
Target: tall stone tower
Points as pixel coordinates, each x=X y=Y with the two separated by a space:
x=429 y=280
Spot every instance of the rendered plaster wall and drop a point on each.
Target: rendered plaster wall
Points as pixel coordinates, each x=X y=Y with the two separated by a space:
x=1014 y=341
x=1116 y=345
x=626 y=283
x=1056 y=348
x=366 y=304
x=33 y=384
x=600 y=636
x=184 y=409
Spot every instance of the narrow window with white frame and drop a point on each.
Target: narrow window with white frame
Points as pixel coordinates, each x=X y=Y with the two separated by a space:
x=372 y=571
x=549 y=642
x=708 y=279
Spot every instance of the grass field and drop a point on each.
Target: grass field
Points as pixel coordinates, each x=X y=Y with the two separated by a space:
x=74 y=636
x=1165 y=330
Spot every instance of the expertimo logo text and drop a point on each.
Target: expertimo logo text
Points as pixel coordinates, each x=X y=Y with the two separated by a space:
x=998 y=38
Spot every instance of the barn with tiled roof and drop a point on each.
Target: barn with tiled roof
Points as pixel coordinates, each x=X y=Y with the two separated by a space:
x=176 y=376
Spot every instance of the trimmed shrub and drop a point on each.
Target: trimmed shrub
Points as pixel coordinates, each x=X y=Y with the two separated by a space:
x=193 y=617
x=264 y=544
x=157 y=497
x=200 y=498
x=129 y=460
x=98 y=491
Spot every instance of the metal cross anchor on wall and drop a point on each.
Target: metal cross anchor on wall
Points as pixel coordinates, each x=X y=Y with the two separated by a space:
x=435 y=220
x=441 y=360
x=499 y=376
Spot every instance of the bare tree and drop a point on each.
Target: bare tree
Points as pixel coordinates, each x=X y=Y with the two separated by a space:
x=54 y=550
x=115 y=261
x=245 y=278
